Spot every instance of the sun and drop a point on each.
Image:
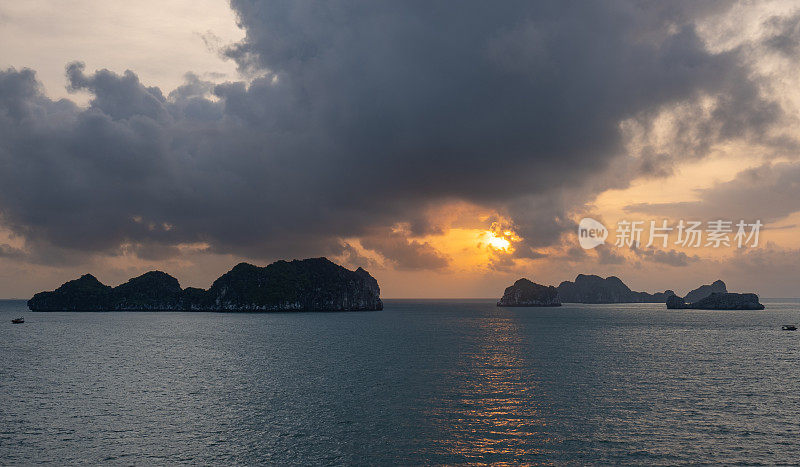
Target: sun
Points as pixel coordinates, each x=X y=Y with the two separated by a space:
x=498 y=243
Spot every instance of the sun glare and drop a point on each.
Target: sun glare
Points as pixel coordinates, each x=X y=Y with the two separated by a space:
x=498 y=243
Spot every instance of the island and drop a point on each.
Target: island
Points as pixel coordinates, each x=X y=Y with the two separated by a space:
x=527 y=293
x=314 y=284
x=718 y=301
x=595 y=289
x=714 y=296
x=705 y=290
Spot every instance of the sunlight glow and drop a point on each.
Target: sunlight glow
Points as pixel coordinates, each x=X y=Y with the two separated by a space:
x=498 y=243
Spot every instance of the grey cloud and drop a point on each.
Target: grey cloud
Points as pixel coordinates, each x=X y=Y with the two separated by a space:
x=654 y=164
x=119 y=97
x=8 y=251
x=542 y=219
x=213 y=42
x=366 y=113
x=503 y=263
x=769 y=192
x=575 y=253
x=783 y=34
x=351 y=256
x=524 y=251
x=606 y=255
x=668 y=257
x=404 y=253
x=778 y=270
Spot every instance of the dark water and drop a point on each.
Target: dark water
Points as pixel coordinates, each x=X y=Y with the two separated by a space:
x=420 y=382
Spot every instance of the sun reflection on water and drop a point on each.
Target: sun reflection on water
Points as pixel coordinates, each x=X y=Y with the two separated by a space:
x=496 y=405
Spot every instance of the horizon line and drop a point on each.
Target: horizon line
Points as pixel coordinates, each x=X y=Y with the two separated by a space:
x=490 y=298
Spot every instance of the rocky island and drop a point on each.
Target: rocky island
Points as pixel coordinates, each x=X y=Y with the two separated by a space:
x=595 y=289
x=527 y=293
x=705 y=290
x=315 y=284
x=714 y=296
x=718 y=301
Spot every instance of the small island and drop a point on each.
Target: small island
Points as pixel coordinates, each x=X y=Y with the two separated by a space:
x=527 y=293
x=597 y=290
x=718 y=301
x=588 y=288
x=705 y=290
x=714 y=296
x=315 y=284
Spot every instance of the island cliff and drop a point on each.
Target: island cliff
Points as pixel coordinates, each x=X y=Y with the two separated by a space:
x=527 y=293
x=314 y=284
x=595 y=289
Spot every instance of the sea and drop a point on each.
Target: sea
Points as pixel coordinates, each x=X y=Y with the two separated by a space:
x=421 y=382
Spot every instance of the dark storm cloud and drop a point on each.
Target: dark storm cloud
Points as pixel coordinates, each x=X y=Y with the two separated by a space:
x=365 y=113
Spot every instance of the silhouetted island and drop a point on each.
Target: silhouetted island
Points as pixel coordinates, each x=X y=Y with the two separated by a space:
x=527 y=293
x=715 y=296
x=705 y=290
x=315 y=284
x=595 y=289
x=719 y=301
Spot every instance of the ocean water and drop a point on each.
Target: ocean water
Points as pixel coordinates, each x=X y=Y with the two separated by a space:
x=421 y=382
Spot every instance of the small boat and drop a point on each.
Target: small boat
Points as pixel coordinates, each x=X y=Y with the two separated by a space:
x=789 y=327
x=18 y=320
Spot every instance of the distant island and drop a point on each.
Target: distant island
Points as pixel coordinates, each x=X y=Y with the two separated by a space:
x=315 y=284
x=719 y=301
x=714 y=296
x=705 y=290
x=596 y=290
x=527 y=293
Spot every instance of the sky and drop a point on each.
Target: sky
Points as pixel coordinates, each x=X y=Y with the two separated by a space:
x=447 y=150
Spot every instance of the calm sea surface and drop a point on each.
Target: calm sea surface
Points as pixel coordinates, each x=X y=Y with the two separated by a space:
x=422 y=382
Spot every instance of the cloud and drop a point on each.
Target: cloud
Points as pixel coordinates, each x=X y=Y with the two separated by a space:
x=8 y=251
x=668 y=257
x=607 y=256
x=768 y=192
x=363 y=115
x=783 y=34
x=404 y=253
x=777 y=267
x=353 y=257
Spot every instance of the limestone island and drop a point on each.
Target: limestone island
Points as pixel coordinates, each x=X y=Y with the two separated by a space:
x=718 y=301
x=527 y=293
x=315 y=284
x=595 y=289
x=705 y=290
x=714 y=296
